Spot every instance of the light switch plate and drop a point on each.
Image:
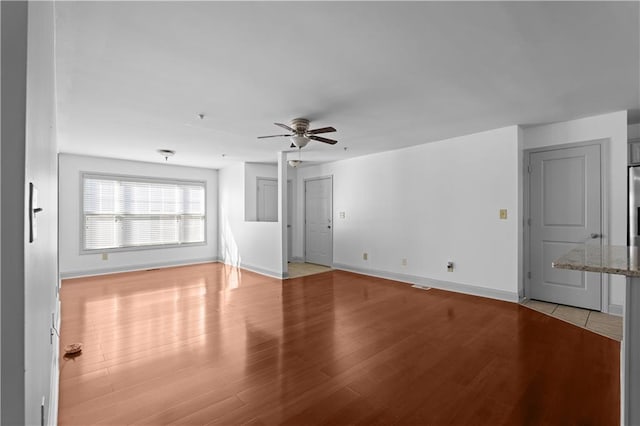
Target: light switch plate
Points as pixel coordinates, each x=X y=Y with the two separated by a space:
x=503 y=213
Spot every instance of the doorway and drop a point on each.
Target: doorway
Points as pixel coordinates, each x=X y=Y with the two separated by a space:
x=564 y=210
x=318 y=220
x=289 y=220
x=267 y=199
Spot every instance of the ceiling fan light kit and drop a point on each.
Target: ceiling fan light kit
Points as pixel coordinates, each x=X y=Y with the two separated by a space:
x=299 y=141
x=294 y=163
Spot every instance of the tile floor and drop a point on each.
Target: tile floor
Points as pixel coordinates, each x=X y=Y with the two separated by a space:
x=303 y=269
x=605 y=324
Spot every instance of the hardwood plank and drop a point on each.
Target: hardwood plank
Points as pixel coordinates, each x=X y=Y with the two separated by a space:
x=210 y=344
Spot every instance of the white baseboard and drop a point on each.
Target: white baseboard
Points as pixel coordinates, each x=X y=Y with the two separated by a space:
x=296 y=259
x=257 y=270
x=616 y=310
x=429 y=282
x=132 y=268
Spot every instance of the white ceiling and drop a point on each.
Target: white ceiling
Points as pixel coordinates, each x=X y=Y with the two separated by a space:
x=131 y=77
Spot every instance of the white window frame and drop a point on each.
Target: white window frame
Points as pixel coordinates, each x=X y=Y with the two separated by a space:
x=132 y=178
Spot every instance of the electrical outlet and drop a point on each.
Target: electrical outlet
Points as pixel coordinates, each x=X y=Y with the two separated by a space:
x=342 y=215
x=105 y=256
x=404 y=262
x=503 y=213
x=365 y=256
x=449 y=266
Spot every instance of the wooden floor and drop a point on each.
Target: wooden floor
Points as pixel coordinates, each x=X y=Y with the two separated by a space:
x=210 y=344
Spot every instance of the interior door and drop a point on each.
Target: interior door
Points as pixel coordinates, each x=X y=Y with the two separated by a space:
x=267 y=199
x=319 y=221
x=565 y=205
x=289 y=220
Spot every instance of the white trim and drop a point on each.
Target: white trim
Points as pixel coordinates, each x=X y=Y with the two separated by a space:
x=133 y=268
x=259 y=270
x=507 y=296
x=616 y=309
x=296 y=259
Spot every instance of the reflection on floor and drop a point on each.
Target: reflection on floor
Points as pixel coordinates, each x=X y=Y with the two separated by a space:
x=211 y=344
x=303 y=269
x=605 y=324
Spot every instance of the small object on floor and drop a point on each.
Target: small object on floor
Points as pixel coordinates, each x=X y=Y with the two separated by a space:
x=421 y=287
x=73 y=348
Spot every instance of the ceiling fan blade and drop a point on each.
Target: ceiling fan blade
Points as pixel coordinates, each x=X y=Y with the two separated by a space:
x=322 y=130
x=284 y=126
x=273 y=136
x=321 y=139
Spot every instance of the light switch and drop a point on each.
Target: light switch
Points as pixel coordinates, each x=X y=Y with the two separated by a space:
x=342 y=215
x=503 y=213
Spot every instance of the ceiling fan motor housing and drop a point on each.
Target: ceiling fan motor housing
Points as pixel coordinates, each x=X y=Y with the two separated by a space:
x=300 y=125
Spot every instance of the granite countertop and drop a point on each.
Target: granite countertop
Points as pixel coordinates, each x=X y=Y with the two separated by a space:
x=619 y=260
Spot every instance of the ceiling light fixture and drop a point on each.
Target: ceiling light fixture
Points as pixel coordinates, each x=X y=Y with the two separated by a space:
x=166 y=153
x=299 y=141
x=296 y=163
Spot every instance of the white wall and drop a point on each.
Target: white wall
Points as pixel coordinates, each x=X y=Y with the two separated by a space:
x=72 y=263
x=29 y=272
x=251 y=245
x=430 y=204
x=14 y=82
x=633 y=131
x=613 y=128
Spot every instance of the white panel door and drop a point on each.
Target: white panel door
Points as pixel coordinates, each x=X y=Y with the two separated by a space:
x=267 y=202
x=565 y=208
x=289 y=220
x=319 y=221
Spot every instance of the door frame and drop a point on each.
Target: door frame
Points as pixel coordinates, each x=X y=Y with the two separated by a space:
x=304 y=214
x=605 y=224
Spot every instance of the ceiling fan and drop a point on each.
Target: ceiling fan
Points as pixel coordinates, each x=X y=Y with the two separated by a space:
x=301 y=135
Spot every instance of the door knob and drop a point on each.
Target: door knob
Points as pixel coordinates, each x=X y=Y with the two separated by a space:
x=329 y=226
x=595 y=236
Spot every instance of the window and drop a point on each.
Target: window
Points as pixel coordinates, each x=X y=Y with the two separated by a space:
x=128 y=212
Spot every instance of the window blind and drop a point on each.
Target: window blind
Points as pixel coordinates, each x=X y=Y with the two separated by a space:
x=123 y=212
